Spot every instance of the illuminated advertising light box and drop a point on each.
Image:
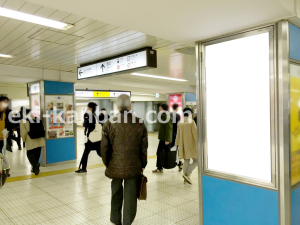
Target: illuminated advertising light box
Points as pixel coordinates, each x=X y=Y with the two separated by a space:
x=129 y=62
x=238 y=122
x=175 y=98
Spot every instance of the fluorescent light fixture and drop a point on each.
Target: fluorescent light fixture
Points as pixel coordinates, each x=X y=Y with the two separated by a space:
x=6 y=56
x=159 y=77
x=34 y=19
x=142 y=94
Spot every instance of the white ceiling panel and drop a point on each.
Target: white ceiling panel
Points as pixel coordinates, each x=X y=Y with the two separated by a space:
x=103 y=34
x=59 y=15
x=14 y=4
x=8 y=27
x=30 y=8
x=3 y=20
x=45 y=12
x=14 y=35
x=178 y=20
x=40 y=47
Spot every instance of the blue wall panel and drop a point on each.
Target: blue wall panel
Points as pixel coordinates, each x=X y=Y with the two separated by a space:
x=230 y=203
x=58 y=88
x=296 y=206
x=59 y=150
x=191 y=97
x=294 y=42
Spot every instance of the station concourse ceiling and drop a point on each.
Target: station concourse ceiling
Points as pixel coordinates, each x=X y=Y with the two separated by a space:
x=107 y=28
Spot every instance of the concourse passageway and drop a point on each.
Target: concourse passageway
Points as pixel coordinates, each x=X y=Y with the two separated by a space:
x=215 y=85
x=60 y=196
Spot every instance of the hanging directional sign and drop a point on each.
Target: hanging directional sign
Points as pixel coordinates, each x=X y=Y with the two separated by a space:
x=138 y=60
x=100 y=94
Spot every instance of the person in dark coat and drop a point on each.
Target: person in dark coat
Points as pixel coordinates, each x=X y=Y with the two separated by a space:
x=124 y=153
x=165 y=133
x=17 y=119
x=89 y=146
x=85 y=122
x=176 y=119
x=5 y=123
x=103 y=117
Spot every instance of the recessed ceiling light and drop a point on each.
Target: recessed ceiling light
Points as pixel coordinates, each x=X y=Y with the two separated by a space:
x=159 y=77
x=34 y=19
x=6 y=56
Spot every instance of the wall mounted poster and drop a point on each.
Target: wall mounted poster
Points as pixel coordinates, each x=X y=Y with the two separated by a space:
x=60 y=116
x=295 y=127
x=176 y=98
x=35 y=105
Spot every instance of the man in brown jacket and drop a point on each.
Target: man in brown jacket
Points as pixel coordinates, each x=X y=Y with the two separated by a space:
x=124 y=153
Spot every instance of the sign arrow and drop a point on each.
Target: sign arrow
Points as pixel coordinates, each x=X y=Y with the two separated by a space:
x=80 y=72
x=102 y=67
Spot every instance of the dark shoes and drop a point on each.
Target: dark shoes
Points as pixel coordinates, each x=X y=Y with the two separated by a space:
x=157 y=171
x=180 y=166
x=80 y=171
x=36 y=169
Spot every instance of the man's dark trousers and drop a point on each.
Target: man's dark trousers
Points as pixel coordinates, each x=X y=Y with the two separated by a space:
x=130 y=200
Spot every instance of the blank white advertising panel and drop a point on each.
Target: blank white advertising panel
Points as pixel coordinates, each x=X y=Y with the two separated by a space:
x=238 y=107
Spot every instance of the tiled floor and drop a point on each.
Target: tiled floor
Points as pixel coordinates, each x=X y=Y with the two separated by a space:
x=72 y=198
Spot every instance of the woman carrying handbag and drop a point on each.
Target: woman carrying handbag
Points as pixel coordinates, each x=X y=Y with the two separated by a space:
x=94 y=136
x=186 y=141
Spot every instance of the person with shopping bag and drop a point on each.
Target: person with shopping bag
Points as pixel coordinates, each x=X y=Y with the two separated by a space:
x=186 y=141
x=164 y=135
x=93 y=133
x=33 y=133
x=124 y=154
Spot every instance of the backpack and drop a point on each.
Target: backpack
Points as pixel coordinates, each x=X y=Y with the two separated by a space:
x=36 y=129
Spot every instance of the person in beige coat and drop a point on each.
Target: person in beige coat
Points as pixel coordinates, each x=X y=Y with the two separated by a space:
x=186 y=140
x=33 y=146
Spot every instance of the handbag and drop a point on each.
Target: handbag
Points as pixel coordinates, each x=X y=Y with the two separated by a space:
x=142 y=187
x=4 y=167
x=96 y=134
x=4 y=170
x=168 y=158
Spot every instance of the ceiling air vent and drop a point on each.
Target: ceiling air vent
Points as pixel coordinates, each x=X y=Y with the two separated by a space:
x=55 y=37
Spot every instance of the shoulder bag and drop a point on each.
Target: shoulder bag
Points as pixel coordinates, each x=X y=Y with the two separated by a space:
x=96 y=134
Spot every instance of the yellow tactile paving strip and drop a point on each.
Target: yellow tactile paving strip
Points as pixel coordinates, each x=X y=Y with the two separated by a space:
x=47 y=174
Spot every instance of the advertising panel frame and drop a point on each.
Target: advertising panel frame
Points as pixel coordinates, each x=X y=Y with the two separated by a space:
x=237 y=178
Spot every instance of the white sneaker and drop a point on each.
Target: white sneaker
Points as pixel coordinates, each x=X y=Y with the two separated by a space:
x=187 y=178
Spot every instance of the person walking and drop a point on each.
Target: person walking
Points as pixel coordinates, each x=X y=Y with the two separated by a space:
x=85 y=122
x=5 y=123
x=103 y=117
x=89 y=146
x=175 y=120
x=124 y=153
x=33 y=133
x=165 y=132
x=186 y=141
x=18 y=118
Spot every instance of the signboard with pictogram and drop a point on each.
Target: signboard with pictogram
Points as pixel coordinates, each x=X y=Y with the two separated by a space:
x=100 y=93
x=138 y=60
